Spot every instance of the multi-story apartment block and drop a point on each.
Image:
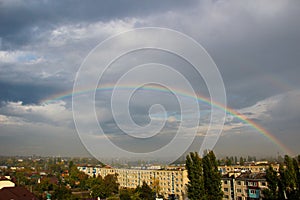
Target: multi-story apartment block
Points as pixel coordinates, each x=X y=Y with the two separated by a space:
x=243 y=186
x=250 y=168
x=171 y=181
x=238 y=182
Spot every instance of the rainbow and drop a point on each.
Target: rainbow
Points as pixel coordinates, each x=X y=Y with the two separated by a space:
x=199 y=98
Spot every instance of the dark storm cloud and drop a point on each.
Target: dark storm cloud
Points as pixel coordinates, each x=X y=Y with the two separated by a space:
x=257 y=53
x=27 y=93
x=285 y=116
x=17 y=83
x=23 y=21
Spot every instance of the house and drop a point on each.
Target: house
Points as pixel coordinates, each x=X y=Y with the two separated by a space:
x=5 y=182
x=16 y=193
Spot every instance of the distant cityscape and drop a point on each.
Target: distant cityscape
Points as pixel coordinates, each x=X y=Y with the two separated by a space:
x=37 y=177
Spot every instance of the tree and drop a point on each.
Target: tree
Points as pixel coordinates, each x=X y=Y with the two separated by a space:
x=287 y=183
x=228 y=161
x=195 y=185
x=125 y=194
x=61 y=192
x=297 y=172
x=212 y=177
x=111 y=184
x=145 y=192
x=272 y=180
x=289 y=176
x=103 y=188
x=98 y=191
x=242 y=161
x=155 y=186
x=281 y=183
x=235 y=160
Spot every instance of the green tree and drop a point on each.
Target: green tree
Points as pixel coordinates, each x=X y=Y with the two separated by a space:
x=289 y=178
x=61 y=192
x=111 y=184
x=281 y=183
x=145 y=192
x=21 y=179
x=98 y=191
x=195 y=186
x=212 y=177
x=235 y=160
x=297 y=172
x=272 y=180
x=125 y=194
x=242 y=161
x=228 y=161
x=103 y=188
x=45 y=185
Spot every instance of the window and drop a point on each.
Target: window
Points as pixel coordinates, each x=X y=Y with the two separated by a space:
x=239 y=183
x=226 y=189
x=252 y=183
x=226 y=196
x=225 y=182
x=252 y=192
x=239 y=190
x=263 y=183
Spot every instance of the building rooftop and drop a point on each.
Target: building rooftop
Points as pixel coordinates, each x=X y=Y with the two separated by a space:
x=252 y=176
x=16 y=193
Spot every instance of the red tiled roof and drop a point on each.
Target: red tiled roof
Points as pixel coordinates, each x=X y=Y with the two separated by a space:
x=16 y=193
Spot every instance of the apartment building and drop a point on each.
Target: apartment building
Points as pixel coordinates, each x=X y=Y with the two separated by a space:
x=171 y=181
x=238 y=182
x=250 y=168
x=243 y=186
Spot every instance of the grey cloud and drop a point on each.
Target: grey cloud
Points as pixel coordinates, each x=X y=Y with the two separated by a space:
x=23 y=21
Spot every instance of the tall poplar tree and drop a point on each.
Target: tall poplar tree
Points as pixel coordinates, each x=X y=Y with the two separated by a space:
x=282 y=183
x=195 y=185
x=272 y=180
x=212 y=177
x=297 y=172
x=289 y=178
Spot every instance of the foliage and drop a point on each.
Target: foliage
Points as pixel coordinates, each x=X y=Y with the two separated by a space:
x=61 y=192
x=272 y=180
x=76 y=179
x=195 y=185
x=204 y=177
x=212 y=177
x=145 y=192
x=103 y=188
x=126 y=194
x=286 y=185
x=242 y=161
x=155 y=186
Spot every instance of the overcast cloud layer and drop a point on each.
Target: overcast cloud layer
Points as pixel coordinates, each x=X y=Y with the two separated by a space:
x=255 y=45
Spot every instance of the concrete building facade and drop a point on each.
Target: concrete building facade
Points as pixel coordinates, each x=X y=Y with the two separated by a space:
x=243 y=186
x=238 y=182
x=171 y=181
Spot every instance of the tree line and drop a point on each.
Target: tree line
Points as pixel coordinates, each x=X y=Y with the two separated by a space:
x=204 y=177
x=284 y=184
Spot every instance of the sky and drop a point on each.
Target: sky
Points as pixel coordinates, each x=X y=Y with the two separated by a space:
x=44 y=45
